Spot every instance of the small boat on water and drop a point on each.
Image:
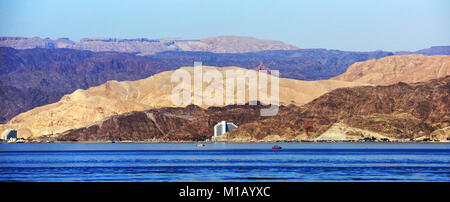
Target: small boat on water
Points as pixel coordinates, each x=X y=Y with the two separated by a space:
x=276 y=147
x=200 y=145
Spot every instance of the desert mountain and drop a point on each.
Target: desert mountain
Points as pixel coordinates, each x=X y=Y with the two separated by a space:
x=398 y=111
x=84 y=107
x=35 y=77
x=393 y=69
x=221 y=44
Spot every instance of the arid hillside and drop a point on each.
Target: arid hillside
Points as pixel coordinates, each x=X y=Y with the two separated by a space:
x=393 y=69
x=398 y=111
x=34 y=77
x=84 y=107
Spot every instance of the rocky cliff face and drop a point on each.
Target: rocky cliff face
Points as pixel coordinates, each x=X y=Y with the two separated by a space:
x=393 y=69
x=87 y=106
x=164 y=124
x=398 y=111
x=221 y=44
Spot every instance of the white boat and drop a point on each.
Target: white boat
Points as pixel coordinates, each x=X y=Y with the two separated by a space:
x=200 y=145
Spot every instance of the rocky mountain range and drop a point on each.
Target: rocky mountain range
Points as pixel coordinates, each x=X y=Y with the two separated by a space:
x=144 y=46
x=398 y=112
x=34 y=77
x=84 y=107
x=302 y=64
x=87 y=85
x=221 y=44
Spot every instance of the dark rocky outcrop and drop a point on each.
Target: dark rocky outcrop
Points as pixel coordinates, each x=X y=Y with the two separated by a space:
x=164 y=124
x=401 y=110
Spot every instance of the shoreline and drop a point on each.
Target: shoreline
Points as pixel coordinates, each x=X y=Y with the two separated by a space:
x=224 y=142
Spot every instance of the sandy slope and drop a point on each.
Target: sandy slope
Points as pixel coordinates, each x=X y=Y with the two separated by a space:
x=393 y=69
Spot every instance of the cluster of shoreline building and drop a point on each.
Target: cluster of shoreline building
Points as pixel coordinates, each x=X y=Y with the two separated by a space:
x=10 y=136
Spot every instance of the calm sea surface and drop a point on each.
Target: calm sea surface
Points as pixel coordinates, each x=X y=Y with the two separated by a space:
x=225 y=162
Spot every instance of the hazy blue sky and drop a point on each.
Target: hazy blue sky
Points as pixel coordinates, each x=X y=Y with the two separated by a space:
x=347 y=25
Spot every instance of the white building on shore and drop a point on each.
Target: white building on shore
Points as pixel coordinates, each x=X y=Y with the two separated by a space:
x=9 y=134
x=223 y=127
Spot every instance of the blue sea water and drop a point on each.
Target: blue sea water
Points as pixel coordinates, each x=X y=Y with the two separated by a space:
x=225 y=162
